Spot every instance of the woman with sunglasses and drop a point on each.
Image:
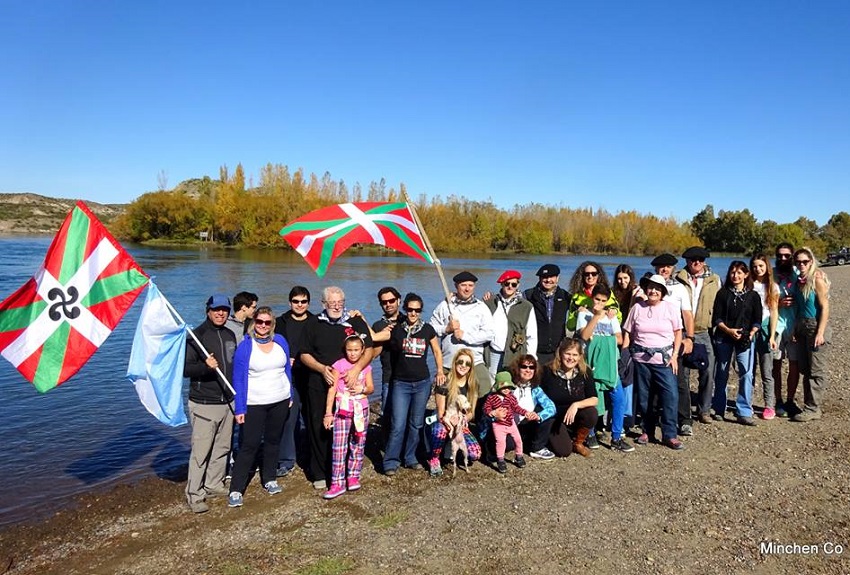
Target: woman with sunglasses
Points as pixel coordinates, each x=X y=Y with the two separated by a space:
x=587 y=276
x=408 y=345
x=535 y=428
x=737 y=319
x=461 y=381
x=262 y=377
x=811 y=331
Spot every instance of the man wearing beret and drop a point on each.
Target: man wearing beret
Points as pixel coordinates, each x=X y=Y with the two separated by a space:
x=514 y=323
x=664 y=265
x=702 y=285
x=467 y=323
x=551 y=304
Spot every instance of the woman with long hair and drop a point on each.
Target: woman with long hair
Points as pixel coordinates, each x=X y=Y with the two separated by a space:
x=625 y=288
x=767 y=336
x=569 y=384
x=460 y=381
x=525 y=371
x=736 y=319
x=262 y=378
x=586 y=277
x=812 y=331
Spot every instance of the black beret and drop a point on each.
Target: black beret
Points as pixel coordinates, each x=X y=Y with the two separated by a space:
x=464 y=276
x=695 y=252
x=664 y=260
x=548 y=270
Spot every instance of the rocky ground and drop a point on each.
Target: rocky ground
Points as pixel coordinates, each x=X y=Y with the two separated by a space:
x=707 y=509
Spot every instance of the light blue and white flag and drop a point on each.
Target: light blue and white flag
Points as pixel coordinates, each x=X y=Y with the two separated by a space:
x=156 y=360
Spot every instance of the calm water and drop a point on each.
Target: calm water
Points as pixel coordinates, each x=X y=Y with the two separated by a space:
x=92 y=431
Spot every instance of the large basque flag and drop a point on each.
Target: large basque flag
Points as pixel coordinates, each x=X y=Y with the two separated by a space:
x=54 y=323
x=324 y=234
x=156 y=359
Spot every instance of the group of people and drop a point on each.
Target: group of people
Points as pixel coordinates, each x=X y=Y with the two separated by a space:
x=544 y=372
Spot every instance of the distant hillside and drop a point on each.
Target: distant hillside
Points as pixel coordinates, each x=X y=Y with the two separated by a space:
x=34 y=214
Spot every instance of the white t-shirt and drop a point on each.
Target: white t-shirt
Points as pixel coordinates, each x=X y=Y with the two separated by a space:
x=267 y=381
x=605 y=326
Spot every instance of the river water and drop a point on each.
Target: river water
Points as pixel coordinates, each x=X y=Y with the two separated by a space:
x=93 y=432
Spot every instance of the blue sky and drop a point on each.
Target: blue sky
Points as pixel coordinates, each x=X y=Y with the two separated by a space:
x=659 y=107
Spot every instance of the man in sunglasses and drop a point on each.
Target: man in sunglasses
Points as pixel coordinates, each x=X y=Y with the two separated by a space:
x=389 y=299
x=514 y=323
x=702 y=285
x=551 y=305
x=785 y=275
x=290 y=325
x=467 y=323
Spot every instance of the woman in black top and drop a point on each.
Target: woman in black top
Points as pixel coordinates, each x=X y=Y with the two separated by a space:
x=569 y=384
x=736 y=319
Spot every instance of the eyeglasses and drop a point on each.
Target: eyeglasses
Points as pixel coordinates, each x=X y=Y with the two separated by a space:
x=389 y=301
x=802 y=262
x=413 y=309
x=464 y=362
x=263 y=321
x=510 y=284
x=591 y=274
x=783 y=256
x=700 y=260
x=340 y=303
x=527 y=366
x=299 y=301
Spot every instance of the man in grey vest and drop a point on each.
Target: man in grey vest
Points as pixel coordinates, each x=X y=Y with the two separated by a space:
x=514 y=324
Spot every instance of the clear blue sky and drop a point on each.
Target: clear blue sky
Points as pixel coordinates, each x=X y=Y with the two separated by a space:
x=660 y=107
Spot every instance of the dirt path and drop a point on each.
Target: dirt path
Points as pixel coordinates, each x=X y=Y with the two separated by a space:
x=709 y=509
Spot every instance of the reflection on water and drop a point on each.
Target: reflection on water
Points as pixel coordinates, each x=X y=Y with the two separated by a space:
x=92 y=431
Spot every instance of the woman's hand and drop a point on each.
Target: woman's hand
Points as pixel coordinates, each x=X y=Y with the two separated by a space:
x=570 y=416
x=773 y=344
x=532 y=416
x=734 y=333
x=240 y=419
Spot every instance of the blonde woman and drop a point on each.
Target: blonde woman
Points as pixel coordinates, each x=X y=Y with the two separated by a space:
x=460 y=381
x=812 y=331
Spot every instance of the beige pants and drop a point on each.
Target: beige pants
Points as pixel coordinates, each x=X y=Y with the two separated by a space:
x=212 y=429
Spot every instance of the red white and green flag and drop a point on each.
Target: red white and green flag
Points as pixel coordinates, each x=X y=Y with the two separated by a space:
x=324 y=234
x=54 y=323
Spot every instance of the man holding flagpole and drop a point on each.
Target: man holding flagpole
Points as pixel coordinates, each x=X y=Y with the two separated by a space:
x=210 y=404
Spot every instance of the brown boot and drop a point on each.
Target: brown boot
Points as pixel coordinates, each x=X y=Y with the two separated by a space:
x=578 y=443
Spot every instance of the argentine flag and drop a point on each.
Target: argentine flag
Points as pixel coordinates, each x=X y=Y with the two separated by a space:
x=156 y=360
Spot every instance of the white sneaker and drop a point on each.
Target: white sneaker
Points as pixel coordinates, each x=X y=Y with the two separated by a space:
x=542 y=454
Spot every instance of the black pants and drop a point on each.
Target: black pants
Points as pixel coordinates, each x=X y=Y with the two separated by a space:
x=263 y=426
x=560 y=439
x=319 y=438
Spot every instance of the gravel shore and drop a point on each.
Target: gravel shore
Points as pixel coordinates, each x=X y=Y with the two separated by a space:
x=731 y=502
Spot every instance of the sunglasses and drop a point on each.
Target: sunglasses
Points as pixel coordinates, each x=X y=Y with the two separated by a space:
x=389 y=301
x=802 y=262
x=700 y=260
x=510 y=284
x=591 y=274
x=413 y=309
x=465 y=362
x=783 y=256
x=299 y=301
x=263 y=321
x=527 y=366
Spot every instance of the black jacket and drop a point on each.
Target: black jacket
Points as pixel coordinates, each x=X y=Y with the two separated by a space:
x=550 y=334
x=204 y=384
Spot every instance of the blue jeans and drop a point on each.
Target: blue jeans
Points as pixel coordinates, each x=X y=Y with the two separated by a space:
x=407 y=416
x=745 y=362
x=617 y=399
x=657 y=380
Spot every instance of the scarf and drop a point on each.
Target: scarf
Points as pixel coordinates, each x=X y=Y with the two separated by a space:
x=411 y=329
x=472 y=299
x=266 y=339
x=510 y=301
x=342 y=320
x=706 y=273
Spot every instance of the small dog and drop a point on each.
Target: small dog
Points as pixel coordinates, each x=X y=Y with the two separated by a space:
x=460 y=410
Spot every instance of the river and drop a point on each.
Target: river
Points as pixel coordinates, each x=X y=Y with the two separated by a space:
x=92 y=431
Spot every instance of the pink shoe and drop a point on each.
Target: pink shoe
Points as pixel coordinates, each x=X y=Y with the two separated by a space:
x=768 y=413
x=353 y=484
x=334 y=491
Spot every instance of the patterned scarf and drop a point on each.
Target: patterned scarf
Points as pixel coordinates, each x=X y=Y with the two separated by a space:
x=411 y=329
x=509 y=301
x=472 y=299
x=342 y=320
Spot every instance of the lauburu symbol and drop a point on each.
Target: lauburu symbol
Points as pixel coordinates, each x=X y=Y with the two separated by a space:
x=65 y=303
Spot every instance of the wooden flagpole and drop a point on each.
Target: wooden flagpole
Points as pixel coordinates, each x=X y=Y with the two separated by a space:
x=429 y=247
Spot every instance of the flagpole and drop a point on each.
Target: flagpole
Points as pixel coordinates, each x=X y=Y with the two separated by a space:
x=197 y=341
x=428 y=246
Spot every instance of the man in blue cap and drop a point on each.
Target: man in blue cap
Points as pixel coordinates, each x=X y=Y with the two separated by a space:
x=210 y=403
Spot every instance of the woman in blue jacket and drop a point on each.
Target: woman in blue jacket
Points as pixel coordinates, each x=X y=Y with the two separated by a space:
x=536 y=428
x=262 y=378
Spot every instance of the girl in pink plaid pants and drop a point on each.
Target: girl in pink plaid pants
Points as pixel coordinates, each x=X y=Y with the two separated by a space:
x=347 y=413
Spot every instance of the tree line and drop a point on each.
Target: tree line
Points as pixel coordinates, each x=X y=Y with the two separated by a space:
x=232 y=211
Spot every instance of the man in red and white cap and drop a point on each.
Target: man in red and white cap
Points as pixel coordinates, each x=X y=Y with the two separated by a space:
x=515 y=324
